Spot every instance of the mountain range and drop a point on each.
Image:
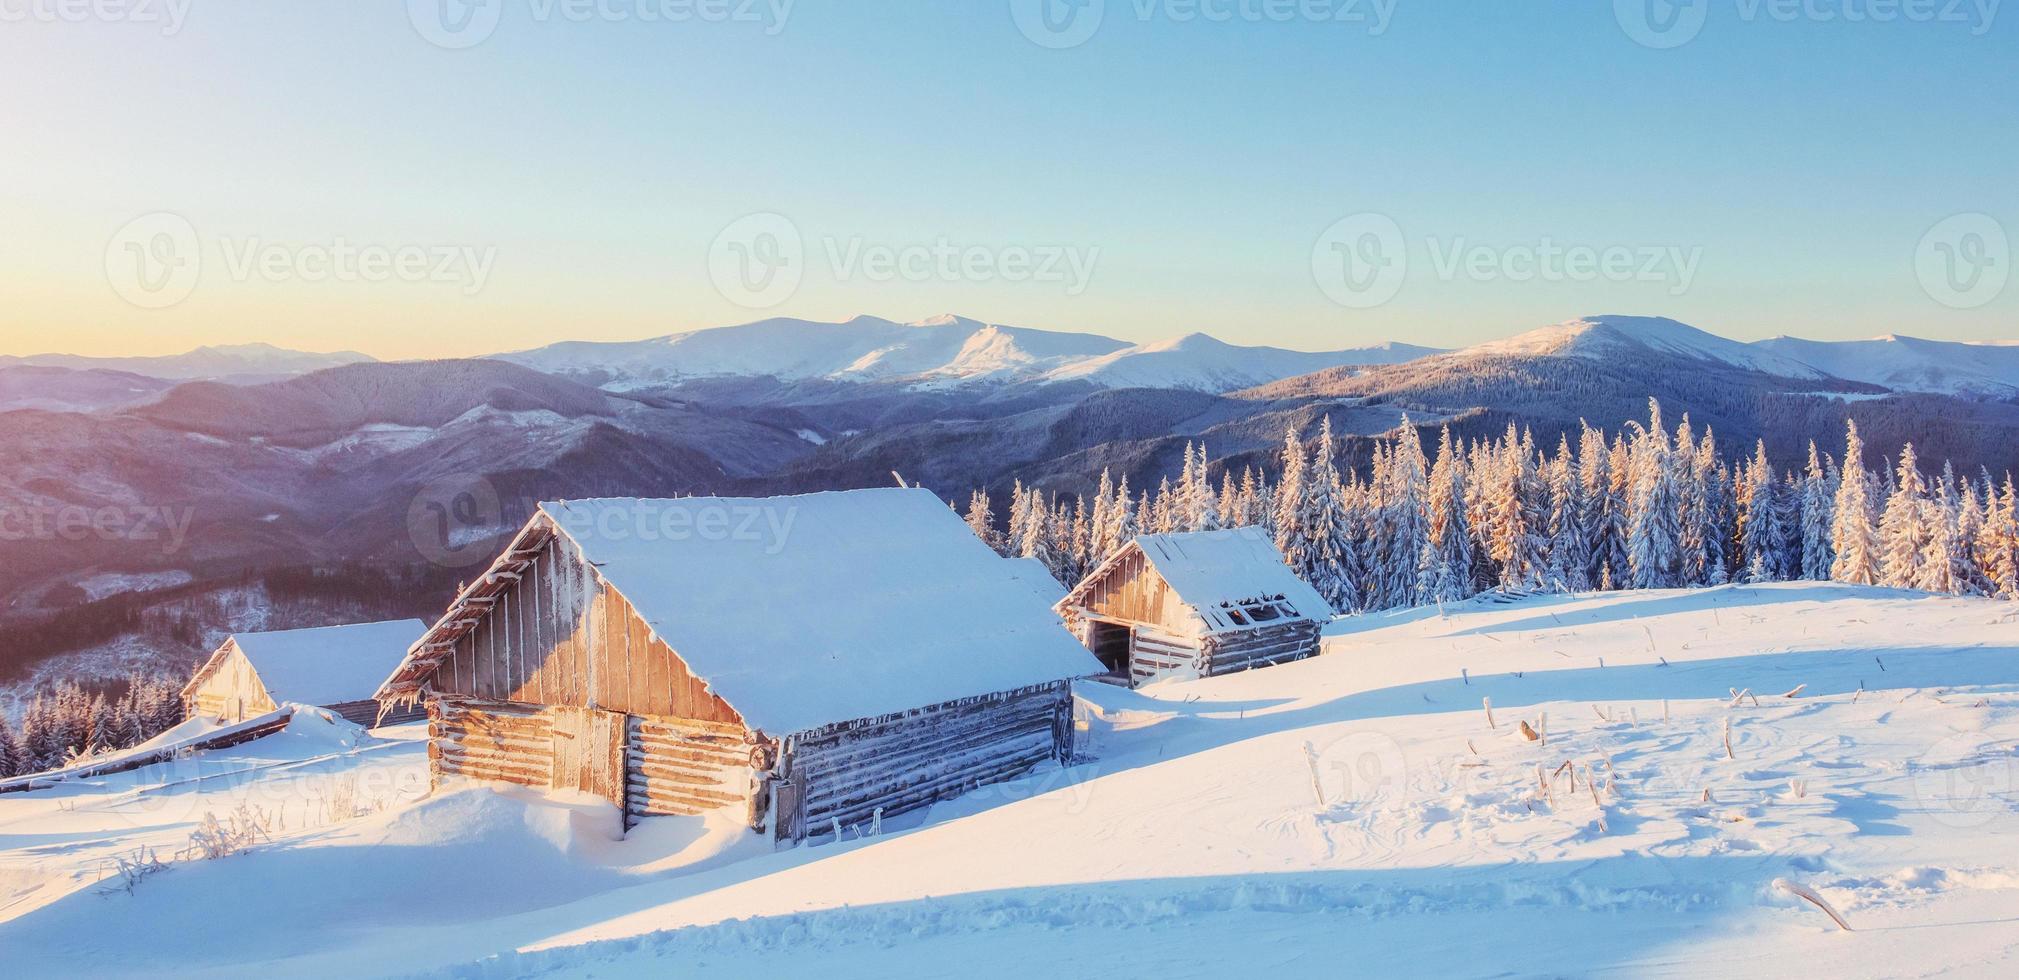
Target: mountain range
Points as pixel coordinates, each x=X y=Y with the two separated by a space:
x=943 y=350
x=335 y=464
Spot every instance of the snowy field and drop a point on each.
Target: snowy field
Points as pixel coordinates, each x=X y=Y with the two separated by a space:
x=1353 y=814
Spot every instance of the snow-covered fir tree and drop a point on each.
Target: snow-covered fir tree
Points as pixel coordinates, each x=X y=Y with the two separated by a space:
x=1445 y=569
x=1817 y=494
x=1853 y=539
x=1334 y=568
x=1904 y=526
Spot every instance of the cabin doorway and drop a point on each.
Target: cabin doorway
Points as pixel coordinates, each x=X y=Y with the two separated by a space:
x=589 y=752
x=1111 y=643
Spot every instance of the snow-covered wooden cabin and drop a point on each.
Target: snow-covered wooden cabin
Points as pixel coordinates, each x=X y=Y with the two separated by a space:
x=1193 y=605
x=334 y=667
x=807 y=660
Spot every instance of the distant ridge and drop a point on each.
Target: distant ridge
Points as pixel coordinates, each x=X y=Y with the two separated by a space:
x=941 y=350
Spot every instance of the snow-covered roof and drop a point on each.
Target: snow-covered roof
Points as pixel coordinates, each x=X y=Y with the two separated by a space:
x=1040 y=578
x=804 y=611
x=330 y=664
x=1213 y=572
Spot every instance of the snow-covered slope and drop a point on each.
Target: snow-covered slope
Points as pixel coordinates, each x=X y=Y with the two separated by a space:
x=239 y=363
x=1352 y=814
x=1911 y=363
x=1611 y=336
x=940 y=349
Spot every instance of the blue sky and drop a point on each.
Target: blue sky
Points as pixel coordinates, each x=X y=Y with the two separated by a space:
x=1765 y=177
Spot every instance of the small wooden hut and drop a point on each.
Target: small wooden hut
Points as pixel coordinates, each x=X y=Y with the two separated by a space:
x=1194 y=605
x=334 y=667
x=811 y=661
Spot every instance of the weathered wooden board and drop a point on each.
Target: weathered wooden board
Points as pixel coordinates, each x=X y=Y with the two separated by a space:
x=1261 y=647
x=847 y=772
x=560 y=635
x=685 y=767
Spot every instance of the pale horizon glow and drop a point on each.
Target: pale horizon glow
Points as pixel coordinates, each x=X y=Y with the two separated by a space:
x=1775 y=177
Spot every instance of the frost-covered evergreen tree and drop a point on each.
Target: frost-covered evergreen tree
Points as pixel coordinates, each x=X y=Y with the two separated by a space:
x=1568 y=557
x=1816 y=518
x=981 y=520
x=1291 y=491
x=1122 y=517
x=1402 y=503
x=13 y=760
x=1654 y=532
x=1101 y=521
x=1513 y=504
x=1710 y=484
x=1762 y=531
x=1598 y=505
x=1998 y=542
x=1853 y=539
x=1904 y=527
x=1334 y=568
x=1445 y=569
x=1205 y=511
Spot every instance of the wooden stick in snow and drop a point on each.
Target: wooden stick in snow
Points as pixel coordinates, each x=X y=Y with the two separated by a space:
x=1487 y=703
x=1809 y=895
x=1728 y=739
x=1738 y=696
x=1317 y=785
x=1797 y=692
x=1544 y=729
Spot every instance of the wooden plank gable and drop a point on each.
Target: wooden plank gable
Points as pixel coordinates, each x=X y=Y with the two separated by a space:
x=559 y=634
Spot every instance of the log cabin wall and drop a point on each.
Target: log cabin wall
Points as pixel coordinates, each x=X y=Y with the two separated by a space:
x=1261 y=646
x=1158 y=655
x=845 y=772
x=680 y=767
x=490 y=740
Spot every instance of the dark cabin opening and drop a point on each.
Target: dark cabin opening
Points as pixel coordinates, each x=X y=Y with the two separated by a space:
x=1110 y=644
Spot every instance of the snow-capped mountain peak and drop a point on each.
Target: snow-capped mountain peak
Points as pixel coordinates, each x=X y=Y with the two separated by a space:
x=1616 y=335
x=942 y=349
